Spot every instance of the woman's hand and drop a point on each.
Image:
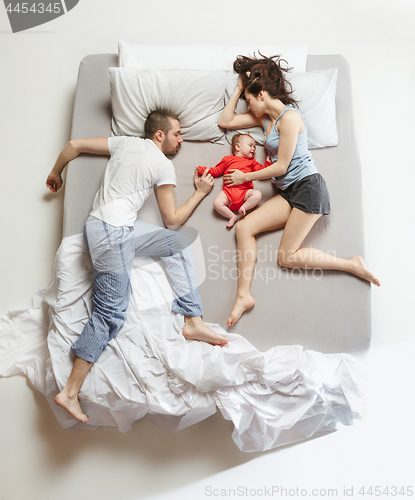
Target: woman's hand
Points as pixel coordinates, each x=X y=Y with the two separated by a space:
x=241 y=84
x=54 y=182
x=234 y=178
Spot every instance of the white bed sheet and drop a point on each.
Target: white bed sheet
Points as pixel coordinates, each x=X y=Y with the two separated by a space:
x=273 y=398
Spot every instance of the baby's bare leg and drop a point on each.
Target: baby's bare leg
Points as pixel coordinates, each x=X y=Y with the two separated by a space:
x=251 y=199
x=221 y=205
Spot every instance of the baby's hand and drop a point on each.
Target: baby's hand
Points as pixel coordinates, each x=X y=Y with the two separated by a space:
x=200 y=170
x=268 y=161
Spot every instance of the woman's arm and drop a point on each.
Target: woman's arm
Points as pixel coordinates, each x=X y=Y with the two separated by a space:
x=290 y=125
x=228 y=119
x=95 y=145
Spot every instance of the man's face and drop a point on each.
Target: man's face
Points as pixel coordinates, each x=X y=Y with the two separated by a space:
x=172 y=140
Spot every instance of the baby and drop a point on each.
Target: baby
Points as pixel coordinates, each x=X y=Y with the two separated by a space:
x=241 y=197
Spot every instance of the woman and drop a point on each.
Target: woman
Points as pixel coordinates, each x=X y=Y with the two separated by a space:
x=303 y=197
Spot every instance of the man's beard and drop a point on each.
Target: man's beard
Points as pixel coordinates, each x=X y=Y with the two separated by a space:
x=170 y=152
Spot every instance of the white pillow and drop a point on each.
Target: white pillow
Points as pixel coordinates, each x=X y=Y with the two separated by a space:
x=203 y=56
x=315 y=92
x=195 y=96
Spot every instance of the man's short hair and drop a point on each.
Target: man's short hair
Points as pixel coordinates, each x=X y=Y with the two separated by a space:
x=159 y=119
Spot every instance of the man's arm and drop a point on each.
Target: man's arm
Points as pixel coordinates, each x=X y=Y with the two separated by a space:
x=174 y=217
x=95 y=145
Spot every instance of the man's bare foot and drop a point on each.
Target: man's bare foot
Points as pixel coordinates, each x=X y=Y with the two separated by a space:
x=240 y=305
x=232 y=221
x=71 y=405
x=359 y=269
x=195 y=329
x=242 y=211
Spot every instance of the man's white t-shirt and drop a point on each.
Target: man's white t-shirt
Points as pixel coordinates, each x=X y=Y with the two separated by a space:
x=135 y=167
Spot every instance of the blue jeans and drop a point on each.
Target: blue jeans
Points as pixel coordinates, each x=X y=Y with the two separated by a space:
x=112 y=252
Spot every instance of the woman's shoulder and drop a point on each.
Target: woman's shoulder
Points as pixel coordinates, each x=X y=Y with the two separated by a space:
x=291 y=118
x=290 y=110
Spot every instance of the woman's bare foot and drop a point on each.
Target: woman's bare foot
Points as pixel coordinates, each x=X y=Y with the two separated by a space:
x=232 y=221
x=71 y=405
x=241 y=304
x=359 y=269
x=195 y=329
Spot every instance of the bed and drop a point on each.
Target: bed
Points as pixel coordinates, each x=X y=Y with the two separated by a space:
x=311 y=317
x=330 y=314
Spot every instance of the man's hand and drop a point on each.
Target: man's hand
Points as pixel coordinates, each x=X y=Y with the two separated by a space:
x=54 y=182
x=93 y=145
x=205 y=183
x=234 y=178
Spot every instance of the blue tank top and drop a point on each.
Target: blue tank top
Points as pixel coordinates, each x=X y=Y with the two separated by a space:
x=302 y=163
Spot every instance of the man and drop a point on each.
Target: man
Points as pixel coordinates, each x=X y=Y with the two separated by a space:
x=114 y=237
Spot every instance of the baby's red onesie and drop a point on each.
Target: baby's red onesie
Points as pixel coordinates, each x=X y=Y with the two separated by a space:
x=235 y=194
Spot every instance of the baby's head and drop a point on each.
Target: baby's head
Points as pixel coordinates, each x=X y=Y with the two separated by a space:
x=243 y=145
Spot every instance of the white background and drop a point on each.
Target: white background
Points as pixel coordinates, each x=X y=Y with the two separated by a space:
x=38 y=77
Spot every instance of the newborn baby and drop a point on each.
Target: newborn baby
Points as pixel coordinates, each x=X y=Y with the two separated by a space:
x=242 y=197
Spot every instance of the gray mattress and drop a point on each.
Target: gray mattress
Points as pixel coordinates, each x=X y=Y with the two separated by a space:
x=328 y=312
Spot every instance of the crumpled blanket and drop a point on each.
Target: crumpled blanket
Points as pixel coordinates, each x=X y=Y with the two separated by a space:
x=273 y=398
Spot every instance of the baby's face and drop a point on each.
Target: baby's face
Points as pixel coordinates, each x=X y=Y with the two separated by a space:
x=247 y=147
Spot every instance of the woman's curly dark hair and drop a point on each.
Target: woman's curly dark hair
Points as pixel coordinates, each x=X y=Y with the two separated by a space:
x=266 y=73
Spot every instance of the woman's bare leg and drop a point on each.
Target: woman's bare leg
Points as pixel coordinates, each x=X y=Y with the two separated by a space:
x=291 y=255
x=68 y=397
x=297 y=225
x=273 y=214
x=221 y=204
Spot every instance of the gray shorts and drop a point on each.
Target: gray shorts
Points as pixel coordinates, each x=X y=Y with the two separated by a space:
x=309 y=195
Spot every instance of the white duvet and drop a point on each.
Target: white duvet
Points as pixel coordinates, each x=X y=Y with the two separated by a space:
x=281 y=396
